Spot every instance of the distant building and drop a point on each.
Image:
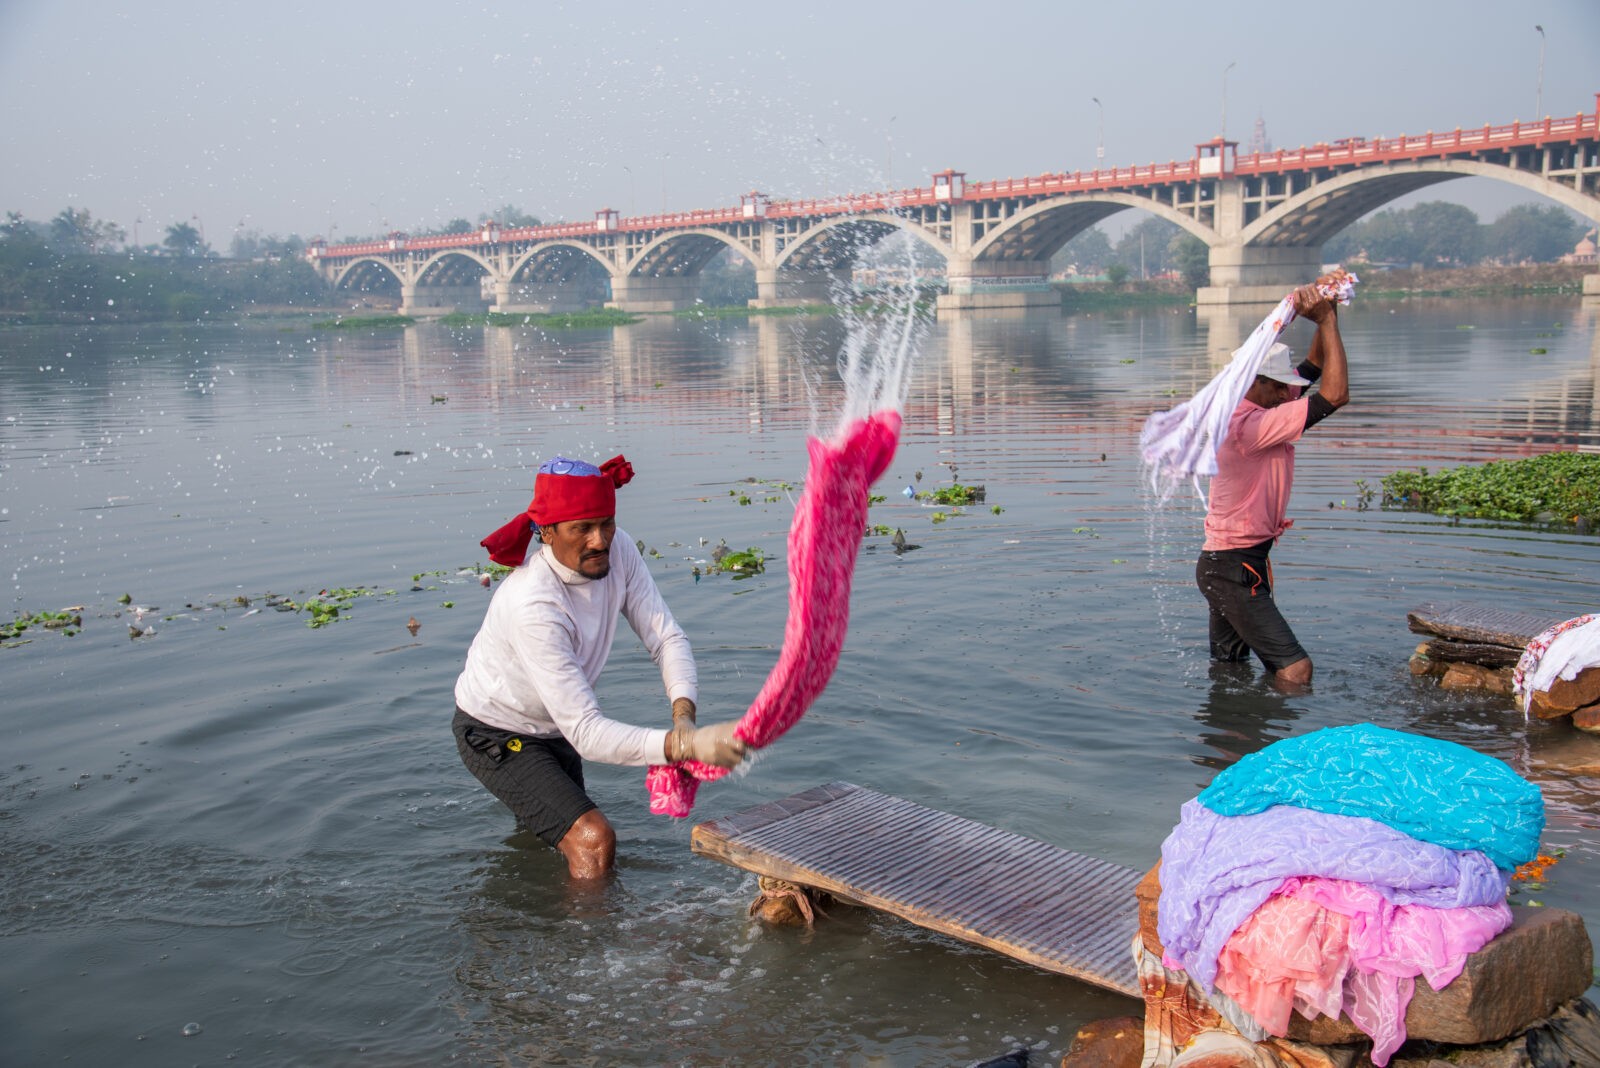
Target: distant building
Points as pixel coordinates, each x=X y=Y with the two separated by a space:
x=1585 y=251
x=1259 y=142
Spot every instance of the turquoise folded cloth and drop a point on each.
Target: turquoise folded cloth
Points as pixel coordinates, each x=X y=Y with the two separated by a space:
x=1433 y=790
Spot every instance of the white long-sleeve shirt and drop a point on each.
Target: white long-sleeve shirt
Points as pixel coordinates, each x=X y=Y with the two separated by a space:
x=544 y=641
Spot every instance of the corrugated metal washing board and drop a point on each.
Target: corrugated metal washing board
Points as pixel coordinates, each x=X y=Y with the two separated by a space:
x=1038 y=903
x=1480 y=623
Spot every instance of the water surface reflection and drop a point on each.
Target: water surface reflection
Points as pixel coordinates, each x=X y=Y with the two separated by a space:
x=269 y=823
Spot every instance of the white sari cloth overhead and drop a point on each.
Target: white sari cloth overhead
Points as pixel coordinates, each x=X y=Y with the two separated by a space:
x=1181 y=444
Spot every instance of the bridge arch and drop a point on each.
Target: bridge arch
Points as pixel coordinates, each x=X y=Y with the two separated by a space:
x=453 y=267
x=560 y=275
x=558 y=262
x=368 y=274
x=835 y=244
x=682 y=252
x=1040 y=230
x=1314 y=215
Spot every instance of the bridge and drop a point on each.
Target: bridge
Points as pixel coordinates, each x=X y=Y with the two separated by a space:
x=1264 y=217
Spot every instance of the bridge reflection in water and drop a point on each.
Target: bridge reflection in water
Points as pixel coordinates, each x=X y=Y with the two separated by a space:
x=979 y=373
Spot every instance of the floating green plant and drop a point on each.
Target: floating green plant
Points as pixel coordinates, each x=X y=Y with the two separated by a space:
x=326 y=605
x=362 y=322
x=593 y=318
x=1558 y=486
x=744 y=561
x=68 y=621
x=953 y=494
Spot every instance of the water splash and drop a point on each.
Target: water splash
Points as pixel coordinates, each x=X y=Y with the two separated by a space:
x=824 y=538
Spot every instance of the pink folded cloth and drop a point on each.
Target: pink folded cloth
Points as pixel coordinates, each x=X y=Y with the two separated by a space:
x=1323 y=946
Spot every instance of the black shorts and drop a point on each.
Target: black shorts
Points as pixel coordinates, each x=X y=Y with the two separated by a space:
x=539 y=779
x=1244 y=617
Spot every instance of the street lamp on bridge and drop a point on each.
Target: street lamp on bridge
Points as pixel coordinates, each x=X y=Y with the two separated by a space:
x=1100 y=140
x=1225 y=70
x=1538 y=107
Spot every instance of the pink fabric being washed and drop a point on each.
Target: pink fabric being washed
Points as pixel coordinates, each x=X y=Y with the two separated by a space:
x=823 y=541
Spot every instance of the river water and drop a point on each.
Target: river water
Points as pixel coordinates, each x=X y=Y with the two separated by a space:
x=241 y=823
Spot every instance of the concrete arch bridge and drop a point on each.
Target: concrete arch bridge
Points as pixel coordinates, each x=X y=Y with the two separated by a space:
x=1263 y=216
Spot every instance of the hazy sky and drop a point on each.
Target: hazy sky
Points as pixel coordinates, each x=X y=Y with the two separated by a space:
x=293 y=117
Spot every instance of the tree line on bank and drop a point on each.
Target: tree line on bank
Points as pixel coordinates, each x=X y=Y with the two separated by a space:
x=76 y=267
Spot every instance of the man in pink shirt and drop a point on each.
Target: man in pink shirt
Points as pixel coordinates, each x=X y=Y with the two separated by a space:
x=1250 y=495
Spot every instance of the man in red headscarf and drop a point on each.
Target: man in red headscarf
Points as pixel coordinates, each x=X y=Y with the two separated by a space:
x=526 y=714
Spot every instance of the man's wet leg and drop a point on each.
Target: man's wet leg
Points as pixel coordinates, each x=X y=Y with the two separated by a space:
x=590 y=846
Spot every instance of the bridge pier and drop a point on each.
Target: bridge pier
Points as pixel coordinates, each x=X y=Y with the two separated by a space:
x=540 y=298
x=441 y=300
x=778 y=288
x=644 y=293
x=1000 y=284
x=1251 y=275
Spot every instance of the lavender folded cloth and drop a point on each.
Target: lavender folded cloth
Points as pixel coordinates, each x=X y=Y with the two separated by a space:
x=1217 y=870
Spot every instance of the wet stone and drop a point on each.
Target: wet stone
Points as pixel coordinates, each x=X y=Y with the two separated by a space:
x=1117 y=1042
x=1566 y=695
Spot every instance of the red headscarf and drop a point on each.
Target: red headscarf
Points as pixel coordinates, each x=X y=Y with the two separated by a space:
x=562 y=490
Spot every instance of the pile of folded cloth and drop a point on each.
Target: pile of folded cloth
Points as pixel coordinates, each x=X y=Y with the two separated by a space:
x=1326 y=872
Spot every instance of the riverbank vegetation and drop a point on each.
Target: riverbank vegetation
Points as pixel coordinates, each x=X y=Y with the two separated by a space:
x=595 y=317
x=1559 y=487
x=364 y=322
x=71 y=271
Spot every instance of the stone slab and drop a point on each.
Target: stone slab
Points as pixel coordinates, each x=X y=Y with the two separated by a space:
x=1566 y=695
x=1476 y=677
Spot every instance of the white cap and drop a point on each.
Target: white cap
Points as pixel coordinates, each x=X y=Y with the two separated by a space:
x=1277 y=366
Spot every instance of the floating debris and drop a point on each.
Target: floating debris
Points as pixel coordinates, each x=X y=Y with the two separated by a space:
x=413 y=626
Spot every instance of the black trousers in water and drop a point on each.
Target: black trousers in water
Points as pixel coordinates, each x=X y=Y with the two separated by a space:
x=539 y=779
x=1237 y=584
